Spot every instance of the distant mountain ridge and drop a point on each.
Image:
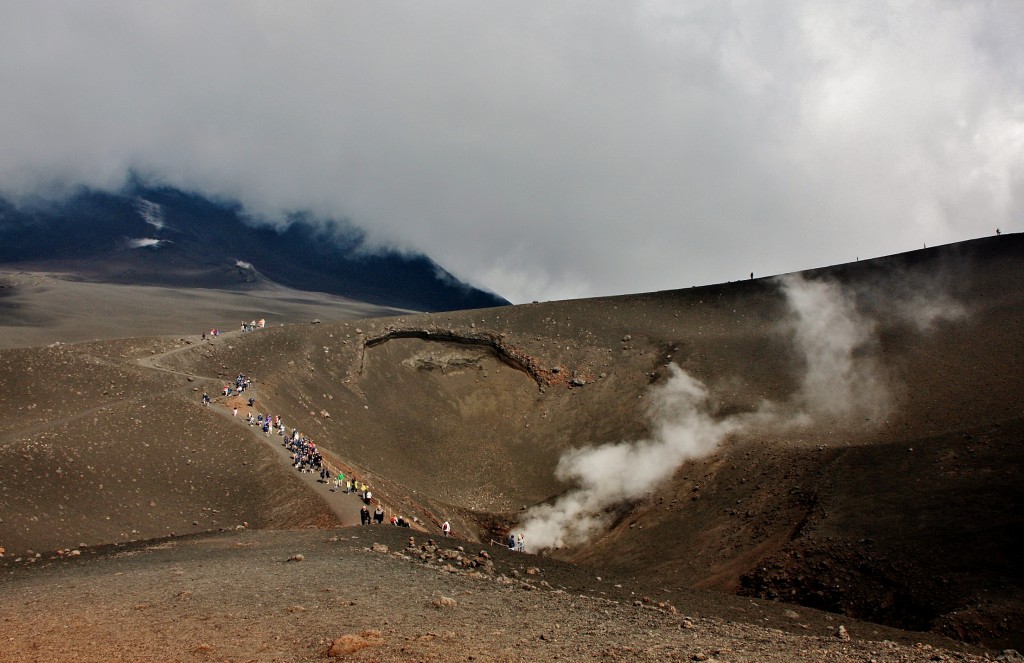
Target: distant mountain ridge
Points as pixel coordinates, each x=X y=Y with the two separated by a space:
x=165 y=236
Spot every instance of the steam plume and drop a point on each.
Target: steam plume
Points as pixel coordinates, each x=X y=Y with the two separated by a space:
x=841 y=380
x=615 y=473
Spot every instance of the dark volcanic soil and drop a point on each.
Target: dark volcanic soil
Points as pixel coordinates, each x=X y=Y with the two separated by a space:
x=909 y=518
x=236 y=597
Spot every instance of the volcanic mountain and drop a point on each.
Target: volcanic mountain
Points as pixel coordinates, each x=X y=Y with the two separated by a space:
x=729 y=472
x=167 y=237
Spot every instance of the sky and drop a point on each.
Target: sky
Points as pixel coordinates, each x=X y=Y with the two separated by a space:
x=547 y=150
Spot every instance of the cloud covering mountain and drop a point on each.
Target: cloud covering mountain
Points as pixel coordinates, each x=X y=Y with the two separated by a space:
x=542 y=151
x=173 y=238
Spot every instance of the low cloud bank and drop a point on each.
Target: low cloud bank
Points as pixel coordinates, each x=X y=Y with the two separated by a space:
x=795 y=133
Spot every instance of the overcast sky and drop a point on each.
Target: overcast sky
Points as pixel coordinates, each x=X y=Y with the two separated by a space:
x=543 y=150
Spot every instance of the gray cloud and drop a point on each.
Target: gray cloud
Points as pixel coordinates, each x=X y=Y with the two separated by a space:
x=547 y=151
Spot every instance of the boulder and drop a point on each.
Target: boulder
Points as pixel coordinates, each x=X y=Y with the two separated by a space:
x=349 y=644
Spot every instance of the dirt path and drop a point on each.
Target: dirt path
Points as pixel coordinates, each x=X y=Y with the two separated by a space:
x=345 y=506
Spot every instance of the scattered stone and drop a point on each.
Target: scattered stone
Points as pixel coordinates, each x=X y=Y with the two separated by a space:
x=296 y=558
x=444 y=602
x=379 y=547
x=349 y=644
x=842 y=633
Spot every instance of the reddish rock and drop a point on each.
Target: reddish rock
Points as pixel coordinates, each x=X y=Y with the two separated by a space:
x=349 y=644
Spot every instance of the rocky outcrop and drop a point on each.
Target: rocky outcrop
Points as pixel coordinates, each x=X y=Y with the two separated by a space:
x=510 y=354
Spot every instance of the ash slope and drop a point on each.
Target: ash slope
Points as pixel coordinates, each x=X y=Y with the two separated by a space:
x=366 y=594
x=162 y=236
x=465 y=415
x=909 y=519
x=39 y=309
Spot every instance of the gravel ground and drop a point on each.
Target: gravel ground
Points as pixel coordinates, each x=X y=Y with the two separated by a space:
x=365 y=594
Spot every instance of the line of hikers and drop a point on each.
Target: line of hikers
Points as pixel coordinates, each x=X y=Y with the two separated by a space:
x=264 y=422
x=305 y=457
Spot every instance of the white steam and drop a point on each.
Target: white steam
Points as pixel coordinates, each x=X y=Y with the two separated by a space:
x=841 y=380
x=616 y=473
x=242 y=264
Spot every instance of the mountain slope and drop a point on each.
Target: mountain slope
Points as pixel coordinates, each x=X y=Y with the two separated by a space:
x=150 y=236
x=903 y=509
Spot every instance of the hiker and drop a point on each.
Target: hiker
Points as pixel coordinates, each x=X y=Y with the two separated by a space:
x=368 y=497
x=446 y=528
x=364 y=516
x=519 y=542
x=511 y=541
x=378 y=515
